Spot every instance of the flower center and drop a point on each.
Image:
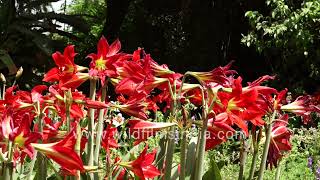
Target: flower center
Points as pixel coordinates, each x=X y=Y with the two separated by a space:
x=20 y=140
x=101 y=64
x=232 y=105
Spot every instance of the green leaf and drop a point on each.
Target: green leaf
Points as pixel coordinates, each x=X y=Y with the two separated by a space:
x=213 y=173
x=191 y=157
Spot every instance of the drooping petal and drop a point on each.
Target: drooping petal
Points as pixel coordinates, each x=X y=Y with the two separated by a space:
x=62 y=152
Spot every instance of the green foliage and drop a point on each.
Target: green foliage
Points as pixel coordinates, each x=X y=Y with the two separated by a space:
x=286 y=27
x=213 y=173
x=293 y=165
x=27 y=29
x=94 y=14
x=288 y=36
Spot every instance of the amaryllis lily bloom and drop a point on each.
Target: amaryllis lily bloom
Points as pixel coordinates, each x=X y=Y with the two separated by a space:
x=218 y=75
x=141 y=129
x=67 y=73
x=102 y=64
x=24 y=99
x=156 y=69
x=280 y=140
x=302 y=106
x=132 y=74
x=136 y=108
x=242 y=105
x=62 y=152
x=142 y=166
x=23 y=137
x=219 y=132
x=108 y=140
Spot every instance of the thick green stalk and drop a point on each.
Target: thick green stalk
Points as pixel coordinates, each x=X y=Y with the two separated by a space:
x=266 y=146
x=99 y=131
x=202 y=143
x=170 y=138
x=77 y=146
x=92 y=96
x=243 y=158
x=29 y=176
x=201 y=152
x=278 y=172
x=68 y=120
x=253 y=164
x=183 y=154
x=100 y=127
x=41 y=160
x=254 y=155
x=169 y=156
x=8 y=171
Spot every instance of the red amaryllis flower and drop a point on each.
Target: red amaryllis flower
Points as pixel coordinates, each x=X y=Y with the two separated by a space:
x=62 y=152
x=65 y=62
x=302 y=106
x=132 y=74
x=280 y=140
x=156 y=69
x=143 y=167
x=50 y=130
x=108 y=140
x=102 y=64
x=23 y=137
x=218 y=75
x=219 y=131
x=141 y=129
x=67 y=73
x=133 y=107
x=68 y=100
x=241 y=105
x=24 y=99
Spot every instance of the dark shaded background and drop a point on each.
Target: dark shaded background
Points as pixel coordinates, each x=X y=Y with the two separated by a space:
x=186 y=34
x=195 y=35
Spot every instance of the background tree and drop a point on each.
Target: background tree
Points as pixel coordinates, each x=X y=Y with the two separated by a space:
x=28 y=31
x=288 y=37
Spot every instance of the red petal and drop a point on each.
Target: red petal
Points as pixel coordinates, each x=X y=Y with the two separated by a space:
x=114 y=48
x=52 y=75
x=102 y=47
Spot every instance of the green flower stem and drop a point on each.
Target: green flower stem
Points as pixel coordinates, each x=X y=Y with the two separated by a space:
x=278 y=172
x=183 y=154
x=169 y=156
x=92 y=96
x=99 y=130
x=201 y=152
x=100 y=127
x=202 y=143
x=77 y=146
x=41 y=160
x=266 y=146
x=68 y=120
x=243 y=157
x=8 y=171
x=254 y=155
x=170 y=140
x=29 y=176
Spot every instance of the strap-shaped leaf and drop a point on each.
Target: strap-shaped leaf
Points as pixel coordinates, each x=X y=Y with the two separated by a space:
x=213 y=173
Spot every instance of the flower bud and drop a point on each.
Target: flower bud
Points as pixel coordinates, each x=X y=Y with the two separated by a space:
x=2 y=78
x=19 y=72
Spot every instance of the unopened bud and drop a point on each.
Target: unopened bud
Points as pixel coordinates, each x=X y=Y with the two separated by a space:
x=2 y=78
x=19 y=72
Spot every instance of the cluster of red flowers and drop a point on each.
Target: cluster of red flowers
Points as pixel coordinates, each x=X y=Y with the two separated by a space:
x=135 y=77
